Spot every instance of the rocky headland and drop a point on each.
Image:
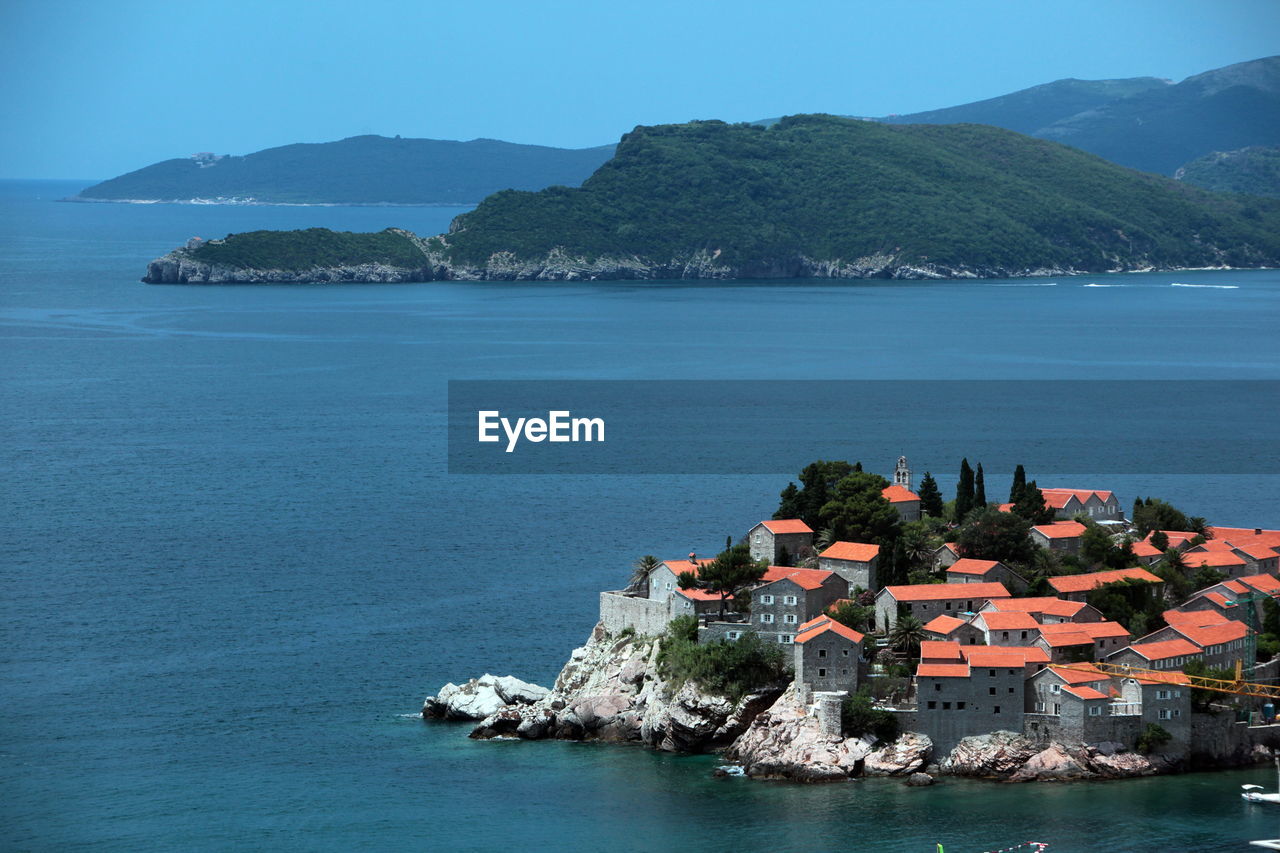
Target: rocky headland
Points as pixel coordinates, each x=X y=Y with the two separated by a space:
x=612 y=690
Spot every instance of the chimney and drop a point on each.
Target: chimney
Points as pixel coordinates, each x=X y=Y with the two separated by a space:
x=1257 y=531
x=693 y=558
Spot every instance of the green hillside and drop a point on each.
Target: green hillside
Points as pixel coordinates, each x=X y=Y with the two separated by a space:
x=1255 y=171
x=830 y=189
x=360 y=170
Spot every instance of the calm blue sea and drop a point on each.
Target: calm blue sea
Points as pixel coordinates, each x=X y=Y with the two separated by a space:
x=233 y=562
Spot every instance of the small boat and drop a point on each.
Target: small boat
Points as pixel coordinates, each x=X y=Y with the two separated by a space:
x=1257 y=794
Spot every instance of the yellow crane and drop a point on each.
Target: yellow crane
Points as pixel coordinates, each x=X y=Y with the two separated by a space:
x=1235 y=685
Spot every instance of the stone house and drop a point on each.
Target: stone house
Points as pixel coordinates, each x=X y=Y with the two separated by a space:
x=828 y=656
x=1068 y=503
x=853 y=561
x=952 y=629
x=1210 y=602
x=1047 y=610
x=1221 y=644
x=925 y=601
x=1077 y=641
x=779 y=540
x=1060 y=536
x=968 y=570
x=1166 y=654
x=1092 y=707
x=663 y=581
x=1007 y=629
x=1218 y=558
x=1078 y=587
x=1165 y=702
x=788 y=597
x=980 y=695
x=945 y=556
x=905 y=501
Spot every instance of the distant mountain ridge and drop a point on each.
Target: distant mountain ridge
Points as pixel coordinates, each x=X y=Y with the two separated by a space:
x=358 y=170
x=811 y=196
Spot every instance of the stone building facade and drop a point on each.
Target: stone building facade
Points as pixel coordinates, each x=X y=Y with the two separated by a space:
x=779 y=540
x=828 y=656
x=856 y=562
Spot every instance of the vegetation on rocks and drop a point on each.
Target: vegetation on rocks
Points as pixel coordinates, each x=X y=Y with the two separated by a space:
x=859 y=716
x=313 y=247
x=722 y=668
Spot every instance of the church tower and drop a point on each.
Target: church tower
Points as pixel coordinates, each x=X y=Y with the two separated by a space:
x=902 y=474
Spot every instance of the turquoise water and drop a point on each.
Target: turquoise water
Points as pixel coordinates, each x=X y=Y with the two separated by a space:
x=234 y=564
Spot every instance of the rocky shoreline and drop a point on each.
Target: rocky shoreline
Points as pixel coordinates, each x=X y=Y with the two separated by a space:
x=180 y=267
x=611 y=691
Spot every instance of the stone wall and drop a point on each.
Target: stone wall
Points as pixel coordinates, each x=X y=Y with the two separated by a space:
x=618 y=612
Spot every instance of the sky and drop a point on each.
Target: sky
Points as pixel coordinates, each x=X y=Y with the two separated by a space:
x=92 y=89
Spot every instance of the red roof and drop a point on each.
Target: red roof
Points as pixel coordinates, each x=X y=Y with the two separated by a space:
x=967 y=566
x=786 y=525
x=1060 y=530
x=1096 y=630
x=1228 y=532
x=1003 y=655
x=937 y=650
x=1058 y=498
x=1268 y=584
x=1004 y=508
x=947 y=591
x=821 y=625
x=805 y=578
x=1165 y=649
x=896 y=494
x=1193 y=618
x=1052 y=606
x=1213 y=635
x=1146 y=549
x=1171 y=676
x=696 y=594
x=943 y=670
x=1084 y=674
x=680 y=566
x=1082 y=691
x=1214 y=558
x=1016 y=620
x=1257 y=550
x=943 y=624
x=1067 y=638
x=1093 y=580
x=857 y=551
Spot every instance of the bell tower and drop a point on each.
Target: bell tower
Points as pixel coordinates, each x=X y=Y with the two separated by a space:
x=902 y=474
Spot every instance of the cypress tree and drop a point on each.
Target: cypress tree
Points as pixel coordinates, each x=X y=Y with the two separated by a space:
x=1019 y=483
x=979 y=489
x=964 y=491
x=930 y=496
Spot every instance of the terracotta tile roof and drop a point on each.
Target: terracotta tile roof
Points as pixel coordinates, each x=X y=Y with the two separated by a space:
x=857 y=551
x=967 y=566
x=1094 y=630
x=695 y=594
x=1176 y=537
x=943 y=670
x=1171 y=676
x=947 y=591
x=1086 y=674
x=998 y=655
x=1004 y=508
x=679 y=566
x=1228 y=532
x=1060 y=530
x=1214 y=559
x=1219 y=599
x=1064 y=640
x=1164 y=649
x=1193 y=618
x=937 y=650
x=786 y=525
x=1210 y=545
x=1052 y=606
x=1016 y=620
x=943 y=624
x=835 y=605
x=896 y=494
x=1093 y=580
x=1263 y=583
x=1083 y=691
x=1058 y=498
x=1213 y=635
x=805 y=578
x=1146 y=549
x=822 y=625
x=1257 y=550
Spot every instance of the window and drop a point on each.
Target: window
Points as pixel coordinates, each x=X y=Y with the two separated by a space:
x=789 y=618
x=1010 y=689
x=1024 y=635
x=844 y=672
x=1004 y=635
x=790 y=599
x=822 y=673
x=995 y=709
x=733 y=635
x=946 y=706
x=948 y=607
x=1165 y=714
x=937 y=685
x=1162 y=694
x=991 y=673
x=766 y=618
x=766 y=599
x=786 y=639
x=1095 y=711
x=1055 y=688
x=844 y=652
x=991 y=691
x=933 y=706
x=959 y=706
x=822 y=653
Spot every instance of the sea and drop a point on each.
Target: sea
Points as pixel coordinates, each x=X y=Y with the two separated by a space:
x=234 y=561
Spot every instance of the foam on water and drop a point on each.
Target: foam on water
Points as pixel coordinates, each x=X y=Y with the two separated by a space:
x=1207 y=286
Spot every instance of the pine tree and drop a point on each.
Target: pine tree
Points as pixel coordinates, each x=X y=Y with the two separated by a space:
x=1019 y=483
x=979 y=489
x=930 y=496
x=964 y=491
x=1159 y=540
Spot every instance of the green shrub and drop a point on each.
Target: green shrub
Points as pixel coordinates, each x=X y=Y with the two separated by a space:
x=1152 y=739
x=722 y=668
x=858 y=717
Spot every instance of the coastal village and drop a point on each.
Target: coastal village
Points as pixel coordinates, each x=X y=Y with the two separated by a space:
x=989 y=649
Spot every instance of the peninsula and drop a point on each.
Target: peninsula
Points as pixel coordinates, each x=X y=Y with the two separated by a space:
x=808 y=197
x=869 y=628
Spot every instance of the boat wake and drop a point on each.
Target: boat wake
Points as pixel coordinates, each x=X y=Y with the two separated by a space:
x=1209 y=286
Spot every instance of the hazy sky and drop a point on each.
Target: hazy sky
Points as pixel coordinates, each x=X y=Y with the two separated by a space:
x=100 y=87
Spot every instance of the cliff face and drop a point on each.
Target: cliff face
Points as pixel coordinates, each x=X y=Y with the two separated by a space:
x=610 y=690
